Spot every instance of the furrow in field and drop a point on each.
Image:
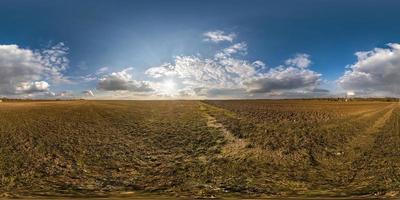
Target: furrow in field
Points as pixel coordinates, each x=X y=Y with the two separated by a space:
x=234 y=146
x=232 y=141
x=363 y=141
x=379 y=164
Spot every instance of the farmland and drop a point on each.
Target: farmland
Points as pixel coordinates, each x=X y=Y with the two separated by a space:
x=255 y=148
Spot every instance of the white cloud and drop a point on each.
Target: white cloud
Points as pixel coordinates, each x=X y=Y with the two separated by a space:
x=65 y=94
x=102 y=70
x=238 y=67
x=123 y=81
x=231 y=50
x=195 y=71
x=376 y=72
x=88 y=77
x=28 y=71
x=164 y=70
x=32 y=87
x=55 y=60
x=218 y=36
x=93 y=76
x=47 y=94
x=259 y=64
x=88 y=93
x=227 y=75
x=300 y=60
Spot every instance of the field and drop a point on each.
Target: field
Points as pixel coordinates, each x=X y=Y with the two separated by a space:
x=252 y=148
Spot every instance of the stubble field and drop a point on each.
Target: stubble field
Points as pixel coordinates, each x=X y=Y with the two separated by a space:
x=255 y=148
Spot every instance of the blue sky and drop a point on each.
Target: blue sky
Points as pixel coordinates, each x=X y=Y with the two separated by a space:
x=127 y=38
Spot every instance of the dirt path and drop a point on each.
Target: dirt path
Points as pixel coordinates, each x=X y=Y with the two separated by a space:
x=233 y=144
x=234 y=147
x=358 y=145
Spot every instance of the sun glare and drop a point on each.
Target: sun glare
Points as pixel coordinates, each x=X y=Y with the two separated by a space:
x=169 y=87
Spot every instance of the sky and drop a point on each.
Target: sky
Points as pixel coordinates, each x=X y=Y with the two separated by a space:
x=218 y=49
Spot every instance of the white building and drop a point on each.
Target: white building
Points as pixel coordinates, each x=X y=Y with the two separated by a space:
x=349 y=95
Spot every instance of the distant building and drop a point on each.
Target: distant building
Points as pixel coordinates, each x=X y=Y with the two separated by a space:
x=349 y=95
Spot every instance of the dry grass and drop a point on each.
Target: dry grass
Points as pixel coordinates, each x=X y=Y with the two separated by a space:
x=199 y=149
x=317 y=147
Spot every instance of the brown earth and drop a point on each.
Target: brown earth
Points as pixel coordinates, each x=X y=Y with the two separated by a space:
x=199 y=149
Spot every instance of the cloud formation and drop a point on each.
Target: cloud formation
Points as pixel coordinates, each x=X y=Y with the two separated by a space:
x=300 y=60
x=228 y=74
x=284 y=78
x=376 y=72
x=233 y=49
x=122 y=81
x=24 y=71
x=56 y=61
x=88 y=93
x=196 y=74
x=218 y=36
x=32 y=87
